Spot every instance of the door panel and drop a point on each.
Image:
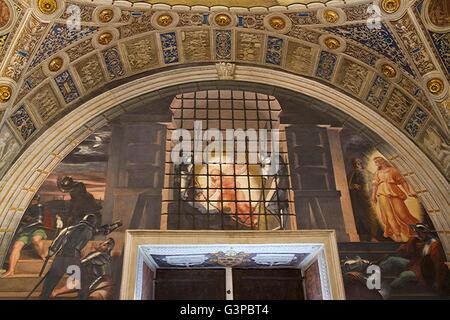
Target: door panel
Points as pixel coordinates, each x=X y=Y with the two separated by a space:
x=267 y=284
x=190 y=284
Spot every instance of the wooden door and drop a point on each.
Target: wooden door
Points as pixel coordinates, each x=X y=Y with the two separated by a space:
x=190 y=284
x=267 y=284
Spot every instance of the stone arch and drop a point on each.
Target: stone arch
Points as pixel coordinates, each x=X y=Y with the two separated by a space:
x=29 y=171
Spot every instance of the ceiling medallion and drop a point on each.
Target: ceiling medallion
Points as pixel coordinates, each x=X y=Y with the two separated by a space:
x=105 y=38
x=55 y=64
x=390 y=6
x=47 y=6
x=331 y=16
x=222 y=19
x=5 y=93
x=277 y=23
x=164 y=20
x=332 y=43
x=388 y=71
x=435 y=86
x=106 y=15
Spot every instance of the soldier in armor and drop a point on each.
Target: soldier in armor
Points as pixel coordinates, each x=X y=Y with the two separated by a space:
x=96 y=274
x=67 y=247
x=81 y=201
x=31 y=232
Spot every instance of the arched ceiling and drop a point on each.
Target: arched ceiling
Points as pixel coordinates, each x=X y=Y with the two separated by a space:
x=50 y=63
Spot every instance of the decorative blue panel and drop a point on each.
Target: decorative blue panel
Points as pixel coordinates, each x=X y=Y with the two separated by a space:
x=67 y=86
x=326 y=65
x=23 y=122
x=274 y=50
x=169 y=47
x=60 y=36
x=113 y=63
x=381 y=40
x=223 y=44
x=416 y=121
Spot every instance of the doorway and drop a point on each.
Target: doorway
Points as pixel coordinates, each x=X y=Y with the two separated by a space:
x=229 y=284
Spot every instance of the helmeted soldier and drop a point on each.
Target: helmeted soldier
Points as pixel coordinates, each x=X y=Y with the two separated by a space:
x=67 y=247
x=81 y=201
x=97 y=273
x=30 y=231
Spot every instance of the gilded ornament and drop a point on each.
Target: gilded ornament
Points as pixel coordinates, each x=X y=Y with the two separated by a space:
x=332 y=43
x=164 y=20
x=47 y=6
x=331 y=16
x=388 y=71
x=55 y=64
x=222 y=19
x=105 y=38
x=390 y=6
x=277 y=23
x=435 y=86
x=106 y=15
x=5 y=93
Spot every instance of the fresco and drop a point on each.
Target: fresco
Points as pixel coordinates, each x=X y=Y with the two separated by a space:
x=5 y=13
x=395 y=233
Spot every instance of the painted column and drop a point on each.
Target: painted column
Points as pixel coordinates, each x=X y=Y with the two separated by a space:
x=135 y=176
x=341 y=181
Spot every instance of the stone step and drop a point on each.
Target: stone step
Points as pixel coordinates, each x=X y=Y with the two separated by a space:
x=17 y=295
x=22 y=283
x=31 y=266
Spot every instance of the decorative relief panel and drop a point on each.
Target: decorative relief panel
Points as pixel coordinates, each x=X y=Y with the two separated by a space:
x=304 y=17
x=67 y=86
x=377 y=92
x=196 y=45
x=90 y=72
x=169 y=47
x=411 y=40
x=223 y=45
x=84 y=11
x=33 y=80
x=249 y=46
x=45 y=102
x=397 y=106
x=141 y=53
x=326 y=65
x=255 y=21
x=25 y=45
x=304 y=34
x=358 y=12
x=274 y=50
x=416 y=121
x=9 y=146
x=191 y=19
x=80 y=49
x=361 y=54
x=300 y=58
x=351 y=76
x=138 y=22
x=113 y=63
x=438 y=147
x=23 y=122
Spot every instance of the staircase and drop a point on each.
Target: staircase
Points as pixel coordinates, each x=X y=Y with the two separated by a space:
x=27 y=275
x=378 y=251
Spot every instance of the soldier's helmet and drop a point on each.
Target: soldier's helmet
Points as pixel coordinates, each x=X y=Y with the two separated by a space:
x=90 y=219
x=66 y=184
x=37 y=197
